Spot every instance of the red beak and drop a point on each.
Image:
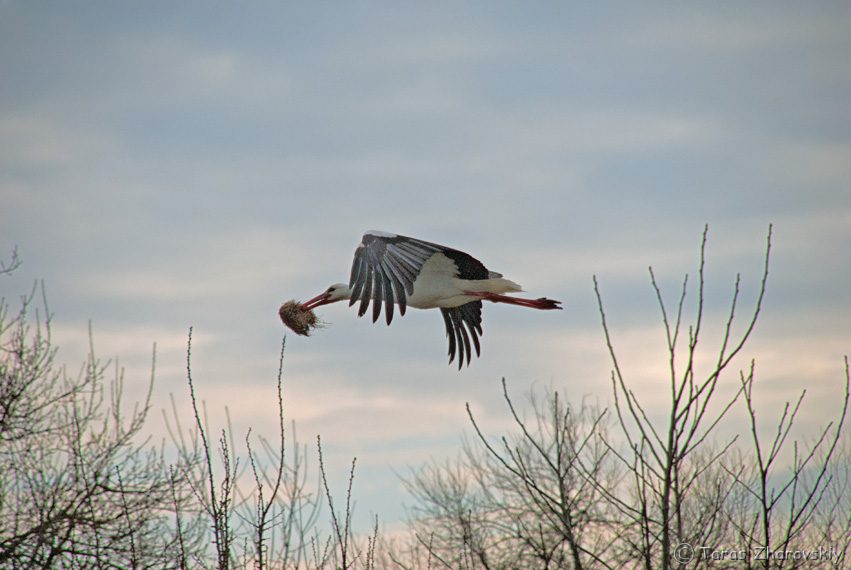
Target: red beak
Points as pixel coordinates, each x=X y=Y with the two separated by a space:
x=318 y=301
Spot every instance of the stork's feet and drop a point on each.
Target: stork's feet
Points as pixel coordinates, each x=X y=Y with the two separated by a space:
x=546 y=304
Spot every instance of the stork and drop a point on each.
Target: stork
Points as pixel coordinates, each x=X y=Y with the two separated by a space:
x=390 y=269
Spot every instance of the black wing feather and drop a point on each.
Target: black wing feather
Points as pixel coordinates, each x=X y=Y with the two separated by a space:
x=450 y=332
x=357 y=279
x=473 y=320
x=388 y=282
x=459 y=326
x=377 y=293
x=367 y=291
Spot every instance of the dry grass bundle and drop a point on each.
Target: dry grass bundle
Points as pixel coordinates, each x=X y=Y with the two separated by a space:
x=302 y=322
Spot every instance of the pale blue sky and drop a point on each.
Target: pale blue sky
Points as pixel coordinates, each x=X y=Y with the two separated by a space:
x=166 y=165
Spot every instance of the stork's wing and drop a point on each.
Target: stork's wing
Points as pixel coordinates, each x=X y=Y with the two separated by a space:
x=384 y=269
x=468 y=315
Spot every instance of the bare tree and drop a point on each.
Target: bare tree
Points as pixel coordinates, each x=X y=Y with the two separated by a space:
x=76 y=491
x=830 y=526
x=260 y=515
x=783 y=508
x=260 y=509
x=342 y=549
x=521 y=501
x=657 y=456
x=661 y=490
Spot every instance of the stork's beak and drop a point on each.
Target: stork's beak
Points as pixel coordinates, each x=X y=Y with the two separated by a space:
x=318 y=301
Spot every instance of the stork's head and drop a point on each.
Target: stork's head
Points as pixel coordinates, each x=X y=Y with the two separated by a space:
x=334 y=293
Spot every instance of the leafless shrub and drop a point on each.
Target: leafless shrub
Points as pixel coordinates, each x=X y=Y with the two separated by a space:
x=796 y=507
x=260 y=511
x=521 y=501
x=341 y=549
x=76 y=490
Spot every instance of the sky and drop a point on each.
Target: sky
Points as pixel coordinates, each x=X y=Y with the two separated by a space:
x=174 y=165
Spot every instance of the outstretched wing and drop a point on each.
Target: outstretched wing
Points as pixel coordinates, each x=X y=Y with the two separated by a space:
x=462 y=323
x=384 y=270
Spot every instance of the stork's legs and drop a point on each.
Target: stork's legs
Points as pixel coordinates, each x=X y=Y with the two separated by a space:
x=543 y=303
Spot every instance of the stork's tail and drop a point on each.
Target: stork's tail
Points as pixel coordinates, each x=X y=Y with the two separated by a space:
x=497 y=285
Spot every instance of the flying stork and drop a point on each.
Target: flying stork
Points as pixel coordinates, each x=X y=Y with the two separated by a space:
x=393 y=269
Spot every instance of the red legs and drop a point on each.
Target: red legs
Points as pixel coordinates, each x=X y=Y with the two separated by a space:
x=543 y=303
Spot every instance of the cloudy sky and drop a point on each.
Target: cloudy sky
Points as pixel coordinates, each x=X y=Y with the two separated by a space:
x=174 y=165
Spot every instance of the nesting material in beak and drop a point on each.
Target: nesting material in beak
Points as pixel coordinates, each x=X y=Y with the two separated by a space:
x=298 y=319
